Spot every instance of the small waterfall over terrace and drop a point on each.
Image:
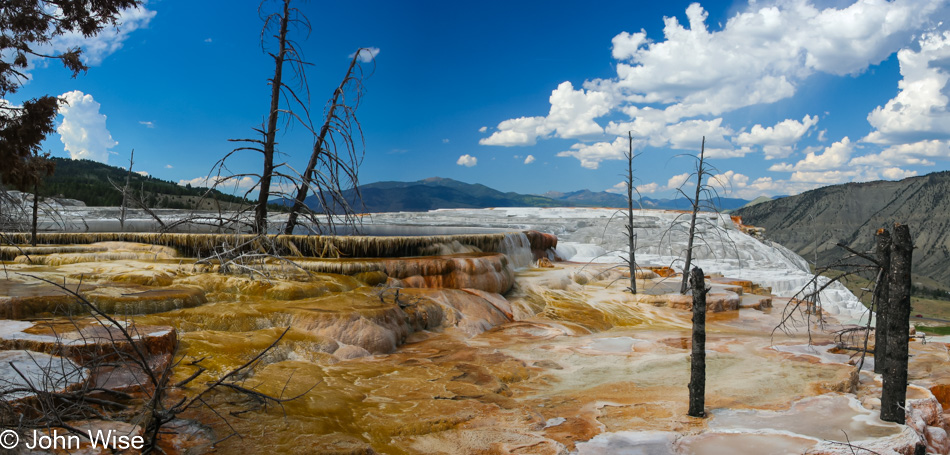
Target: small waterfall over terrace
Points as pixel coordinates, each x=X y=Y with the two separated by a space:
x=517 y=247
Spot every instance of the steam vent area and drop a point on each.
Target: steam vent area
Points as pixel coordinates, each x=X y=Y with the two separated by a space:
x=522 y=338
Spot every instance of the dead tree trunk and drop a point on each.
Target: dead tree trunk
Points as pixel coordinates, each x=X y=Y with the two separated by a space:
x=125 y=192
x=270 y=133
x=631 y=238
x=39 y=166
x=692 y=222
x=697 y=364
x=3 y=195
x=36 y=202
x=307 y=178
x=880 y=303
x=894 y=394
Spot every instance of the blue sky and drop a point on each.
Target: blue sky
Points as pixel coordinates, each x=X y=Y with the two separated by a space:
x=535 y=96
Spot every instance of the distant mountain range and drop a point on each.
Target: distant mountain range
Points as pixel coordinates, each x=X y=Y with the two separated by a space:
x=588 y=198
x=442 y=193
x=851 y=213
x=430 y=194
x=724 y=204
x=88 y=181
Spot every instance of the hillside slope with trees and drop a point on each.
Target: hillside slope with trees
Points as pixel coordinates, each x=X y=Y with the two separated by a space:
x=88 y=181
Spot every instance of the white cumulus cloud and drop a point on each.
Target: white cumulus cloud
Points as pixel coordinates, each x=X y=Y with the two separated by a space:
x=728 y=181
x=677 y=181
x=571 y=115
x=573 y=111
x=914 y=154
x=590 y=155
x=895 y=173
x=83 y=129
x=834 y=156
x=734 y=184
x=919 y=111
x=689 y=135
x=620 y=188
x=223 y=183
x=671 y=90
x=830 y=177
x=529 y=159
x=777 y=141
x=686 y=135
x=367 y=54
x=647 y=188
x=760 y=55
x=517 y=131
x=467 y=160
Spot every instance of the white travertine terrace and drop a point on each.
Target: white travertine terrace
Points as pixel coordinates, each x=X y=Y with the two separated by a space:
x=597 y=235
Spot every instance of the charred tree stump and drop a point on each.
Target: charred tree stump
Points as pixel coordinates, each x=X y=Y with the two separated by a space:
x=894 y=395
x=883 y=252
x=697 y=364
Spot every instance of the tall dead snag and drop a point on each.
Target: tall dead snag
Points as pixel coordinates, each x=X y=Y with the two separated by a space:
x=700 y=172
x=270 y=131
x=697 y=364
x=897 y=319
x=125 y=192
x=631 y=237
x=289 y=68
x=879 y=302
x=327 y=167
x=35 y=220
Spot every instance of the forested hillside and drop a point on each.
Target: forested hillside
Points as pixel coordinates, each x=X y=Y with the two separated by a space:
x=88 y=181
